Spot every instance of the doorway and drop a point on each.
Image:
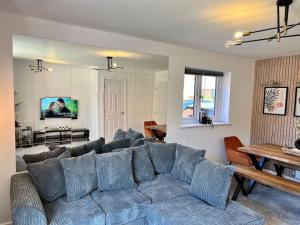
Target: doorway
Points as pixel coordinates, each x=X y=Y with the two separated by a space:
x=114 y=106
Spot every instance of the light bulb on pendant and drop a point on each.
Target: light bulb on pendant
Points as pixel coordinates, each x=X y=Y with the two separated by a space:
x=239 y=34
x=114 y=65
x=231 y=43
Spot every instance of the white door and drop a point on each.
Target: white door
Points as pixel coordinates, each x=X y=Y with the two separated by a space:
x=114 y=106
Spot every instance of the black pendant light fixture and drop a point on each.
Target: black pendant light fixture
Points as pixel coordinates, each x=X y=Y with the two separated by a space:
x=282 y=30
x=110 y=65
x=39 y=67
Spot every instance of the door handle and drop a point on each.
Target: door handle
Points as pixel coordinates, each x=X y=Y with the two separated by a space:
x=122 y=113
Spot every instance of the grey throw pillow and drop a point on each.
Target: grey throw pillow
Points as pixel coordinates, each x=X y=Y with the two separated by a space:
x=185 y=162
x=109 y=147
x=80 y=176
x=34 y=158
x=114 y=170
x=141 y=163
x=48 y=178
x=211 y=183
x=162 y=156
x=133 y=135
x=119 y=135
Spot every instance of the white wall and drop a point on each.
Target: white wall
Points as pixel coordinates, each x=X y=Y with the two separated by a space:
x=242 y=71
x=64 y=81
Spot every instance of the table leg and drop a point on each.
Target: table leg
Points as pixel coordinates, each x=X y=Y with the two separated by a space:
x=259 y=165
x=240 y=187
x=279 y=169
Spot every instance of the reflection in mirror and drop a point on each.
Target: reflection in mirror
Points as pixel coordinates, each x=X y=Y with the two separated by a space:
x=69 y=95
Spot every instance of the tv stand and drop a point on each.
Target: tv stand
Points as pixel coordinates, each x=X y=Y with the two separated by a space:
x=59 y=136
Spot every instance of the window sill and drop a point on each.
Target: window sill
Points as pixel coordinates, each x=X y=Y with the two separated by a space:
x=215 y=124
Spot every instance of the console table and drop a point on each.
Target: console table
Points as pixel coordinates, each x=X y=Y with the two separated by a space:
x=60 y=136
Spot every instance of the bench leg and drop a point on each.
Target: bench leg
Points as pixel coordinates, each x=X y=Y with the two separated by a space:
x=279 y=169
x=240 y=187
x=251 y=185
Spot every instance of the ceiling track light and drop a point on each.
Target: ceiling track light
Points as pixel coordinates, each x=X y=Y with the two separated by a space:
x=39 y=67
x=282 y=30
x=110 y=65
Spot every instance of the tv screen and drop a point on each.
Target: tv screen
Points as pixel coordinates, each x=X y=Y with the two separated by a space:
x=59 y=107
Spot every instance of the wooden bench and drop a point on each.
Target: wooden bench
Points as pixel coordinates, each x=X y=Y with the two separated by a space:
x=251 y=173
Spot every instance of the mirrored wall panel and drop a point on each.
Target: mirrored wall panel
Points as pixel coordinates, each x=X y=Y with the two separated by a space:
x=69 y=95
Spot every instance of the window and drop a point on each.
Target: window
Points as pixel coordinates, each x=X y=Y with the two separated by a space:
x=202 y=94
x=199 y=95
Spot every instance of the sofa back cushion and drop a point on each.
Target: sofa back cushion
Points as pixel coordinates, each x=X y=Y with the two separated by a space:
x=162 y=156
x=48 y=178
x=185 y=162
x=141 y=164
x=96 y=145
x=109 y=147
x=133 y=135
x=119 y=135
x=39 y=157
x=114 y=170
x=80 y=175
x=211 y=183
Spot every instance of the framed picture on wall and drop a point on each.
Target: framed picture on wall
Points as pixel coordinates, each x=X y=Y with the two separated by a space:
x=297 y=102
x=275 y=100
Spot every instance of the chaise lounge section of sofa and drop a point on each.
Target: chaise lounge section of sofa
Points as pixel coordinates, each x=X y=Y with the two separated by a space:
x=153 y=184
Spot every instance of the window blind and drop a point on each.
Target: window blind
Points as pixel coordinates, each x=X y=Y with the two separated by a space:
x=195 y=71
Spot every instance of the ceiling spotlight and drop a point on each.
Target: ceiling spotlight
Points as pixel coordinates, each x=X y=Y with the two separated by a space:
x=231 y=43
x=39 y=67
x=110 y=65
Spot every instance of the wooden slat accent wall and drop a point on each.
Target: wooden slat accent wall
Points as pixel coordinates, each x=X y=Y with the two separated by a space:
x=272 y=128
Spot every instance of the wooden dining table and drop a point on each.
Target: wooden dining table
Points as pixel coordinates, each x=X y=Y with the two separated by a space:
x=271 y=152
x=259 y=154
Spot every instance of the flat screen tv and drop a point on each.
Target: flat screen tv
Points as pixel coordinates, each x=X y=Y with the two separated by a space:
x=59 y=107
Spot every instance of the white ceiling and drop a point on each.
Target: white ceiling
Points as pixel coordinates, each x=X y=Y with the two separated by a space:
x=192 y=23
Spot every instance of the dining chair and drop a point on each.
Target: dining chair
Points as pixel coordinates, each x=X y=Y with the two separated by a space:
x=149 y=132
x=233 y=155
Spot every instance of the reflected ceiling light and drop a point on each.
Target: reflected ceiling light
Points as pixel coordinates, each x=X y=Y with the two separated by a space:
x=281 y=29
x=39 y=67
x=110 y=65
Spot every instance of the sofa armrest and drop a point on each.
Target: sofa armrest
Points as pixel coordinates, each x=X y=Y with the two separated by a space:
x=26 y=205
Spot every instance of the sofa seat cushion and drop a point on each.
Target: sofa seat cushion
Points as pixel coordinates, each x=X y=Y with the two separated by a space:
x=164 y=187
x=80 y=212
x=189 y=210
x=122 y=206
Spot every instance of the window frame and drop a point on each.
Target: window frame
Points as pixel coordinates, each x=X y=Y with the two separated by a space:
x=198 y=95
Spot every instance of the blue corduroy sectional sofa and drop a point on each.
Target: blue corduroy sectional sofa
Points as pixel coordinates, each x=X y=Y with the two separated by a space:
x=154 y=184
